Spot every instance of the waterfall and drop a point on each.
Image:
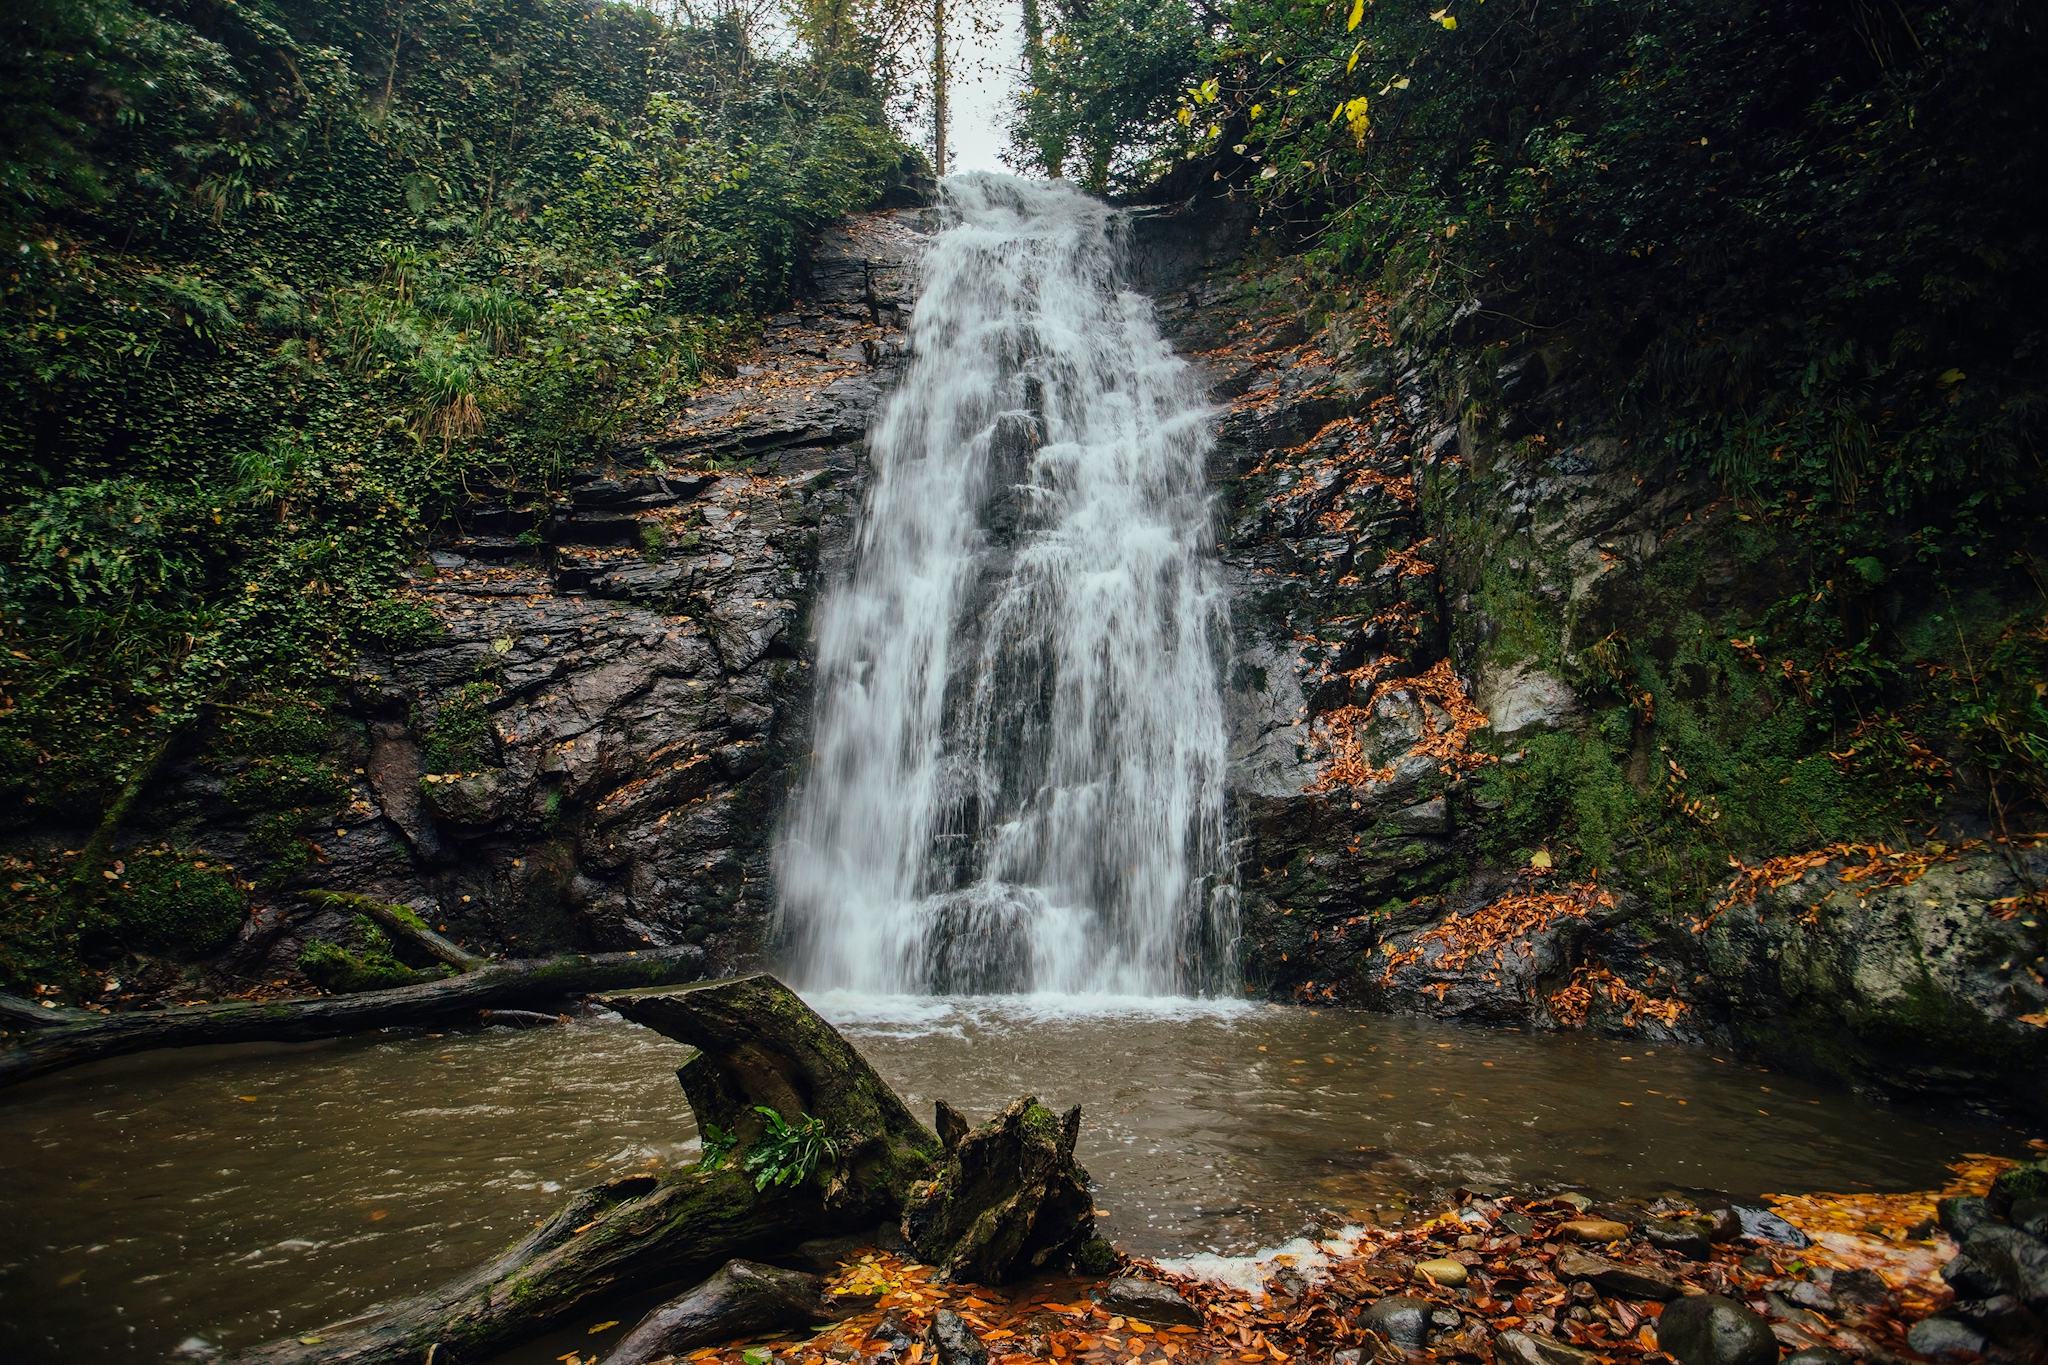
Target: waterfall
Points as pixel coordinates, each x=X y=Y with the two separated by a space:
x=1017 y=774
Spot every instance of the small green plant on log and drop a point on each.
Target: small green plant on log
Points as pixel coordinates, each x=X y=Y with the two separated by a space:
x=786 y=1153
x=717 y=1144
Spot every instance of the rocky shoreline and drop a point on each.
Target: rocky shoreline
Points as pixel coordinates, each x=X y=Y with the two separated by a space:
x=1562 y=1279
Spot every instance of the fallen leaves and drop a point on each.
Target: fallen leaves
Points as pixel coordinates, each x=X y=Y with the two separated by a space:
x=1867 y=868
x=1495 y=929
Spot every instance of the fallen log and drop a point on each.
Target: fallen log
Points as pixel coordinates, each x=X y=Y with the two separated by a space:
x=34 y=1016
x=758 y=1045
x=401 y=923
x=529 y=981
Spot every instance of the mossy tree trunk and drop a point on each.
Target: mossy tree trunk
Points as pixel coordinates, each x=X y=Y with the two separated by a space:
x=758 y=1044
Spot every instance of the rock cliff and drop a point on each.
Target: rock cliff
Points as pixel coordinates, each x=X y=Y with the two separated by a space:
x=592 y=750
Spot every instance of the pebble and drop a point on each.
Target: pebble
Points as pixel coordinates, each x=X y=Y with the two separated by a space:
x=1593 y=1230
x=1442 y=1271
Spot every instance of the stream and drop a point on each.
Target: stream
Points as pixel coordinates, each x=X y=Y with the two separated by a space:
x=233 y=1195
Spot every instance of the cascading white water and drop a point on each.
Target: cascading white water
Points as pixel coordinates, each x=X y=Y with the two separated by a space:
x=1017 y=777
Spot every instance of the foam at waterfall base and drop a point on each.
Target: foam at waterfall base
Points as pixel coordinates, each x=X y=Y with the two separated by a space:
x=918 y=1016
x=1307 y=1257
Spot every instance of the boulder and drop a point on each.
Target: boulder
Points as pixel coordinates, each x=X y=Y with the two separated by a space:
x=1900 y=989
x=1148 y=1300
x=1009 y=1201
x=1707 y=1329
x=742 y=1299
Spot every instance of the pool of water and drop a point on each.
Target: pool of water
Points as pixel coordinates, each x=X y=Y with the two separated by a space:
x=232 y=1195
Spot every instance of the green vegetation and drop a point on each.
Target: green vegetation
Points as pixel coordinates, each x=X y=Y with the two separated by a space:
x=787 y=1153
x=280 y=284
x=363 y=961
x=175 y=904
x=1783 y=249
x=460 y=737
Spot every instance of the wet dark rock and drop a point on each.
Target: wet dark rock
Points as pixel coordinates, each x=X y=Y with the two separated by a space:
x=1962 y=1215
x=2015 y=1331
x=1010 y=1201
x=1148 y=1300
x=1707 y=1329
x=1688 y=1237
x=1807 y=1294
x=1819 y=1355
x=1401 y=1320
x=1999 y=1258
x=1761 y=1225
x=1942 y=1337
x=953 y=1342
x=742 y=1299
x=1724 y=1224
x=1860 y=1287
x=1527 y=1348
x=1917 y=1003
x=2031 y=1217
x=1623 y=1281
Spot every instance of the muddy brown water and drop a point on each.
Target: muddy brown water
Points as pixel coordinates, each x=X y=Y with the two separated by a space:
x=227 y=1196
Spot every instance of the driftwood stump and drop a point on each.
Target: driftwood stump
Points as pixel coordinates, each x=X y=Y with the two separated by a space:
x=1010 y=1201
x=758 y=1044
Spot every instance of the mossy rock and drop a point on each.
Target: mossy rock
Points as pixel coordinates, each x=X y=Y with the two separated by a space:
x=176 y=905
x=2021 y=1182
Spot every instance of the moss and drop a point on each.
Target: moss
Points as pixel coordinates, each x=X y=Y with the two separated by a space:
x=1097 y=1257
x=364 y=962
x=176 y=904
x=1041 y=1123
x=2021 y=1182
x=461 y=738
x=288 y=782
x=1569 y=794
x=41 y=936
x=277 y=725
x=653 y=540
x=398 y=625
